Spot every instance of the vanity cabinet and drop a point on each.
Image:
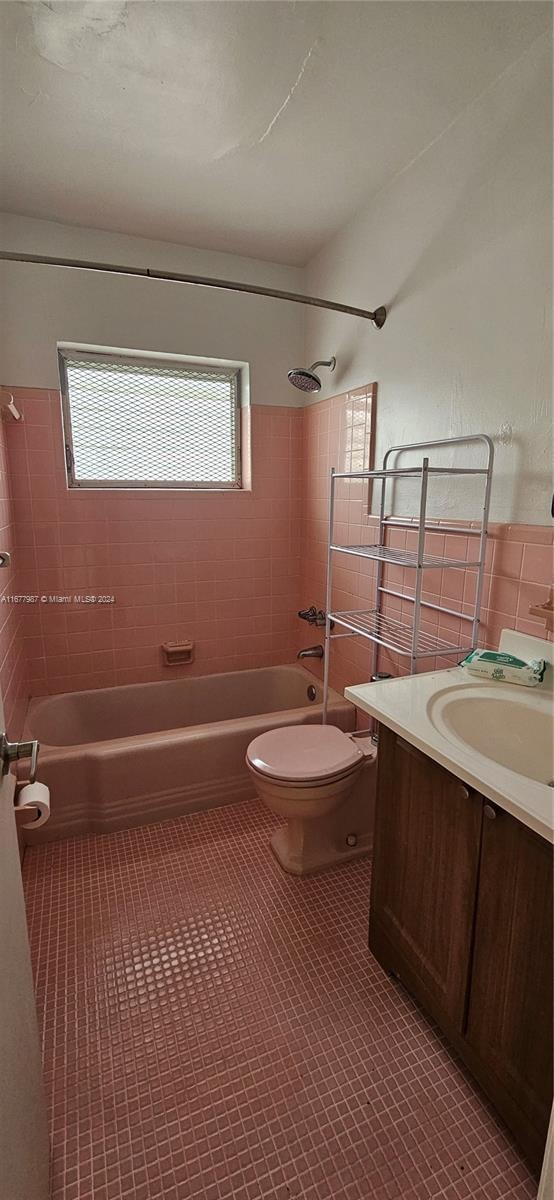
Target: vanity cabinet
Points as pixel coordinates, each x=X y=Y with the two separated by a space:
x=509 y=1022
x=461 y=913
x=426 y=859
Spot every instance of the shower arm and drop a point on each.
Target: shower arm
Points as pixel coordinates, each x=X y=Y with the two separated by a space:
x=378 y=317
x=325 y=362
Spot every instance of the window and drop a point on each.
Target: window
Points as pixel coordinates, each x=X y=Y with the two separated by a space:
x=133 y=422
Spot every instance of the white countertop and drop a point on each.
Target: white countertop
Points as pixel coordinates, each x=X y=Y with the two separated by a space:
x=405 y=705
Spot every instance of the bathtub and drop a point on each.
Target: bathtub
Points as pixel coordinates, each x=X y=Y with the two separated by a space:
x=124 y=756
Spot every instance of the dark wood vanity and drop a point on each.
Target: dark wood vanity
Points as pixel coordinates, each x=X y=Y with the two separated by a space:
x=461 y=913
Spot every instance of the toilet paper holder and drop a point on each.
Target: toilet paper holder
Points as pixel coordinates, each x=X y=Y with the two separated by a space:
x=12 y=751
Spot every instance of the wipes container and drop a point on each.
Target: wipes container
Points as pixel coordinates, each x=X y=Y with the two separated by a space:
x=506 y=668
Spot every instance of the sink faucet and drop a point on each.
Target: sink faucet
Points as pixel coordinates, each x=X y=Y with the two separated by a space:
x=311 y=652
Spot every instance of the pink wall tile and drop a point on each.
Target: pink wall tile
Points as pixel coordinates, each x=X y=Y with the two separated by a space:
x=538 y=564
x=229 y=571
x=14 y=679
x=179 y=564
x=504 y=595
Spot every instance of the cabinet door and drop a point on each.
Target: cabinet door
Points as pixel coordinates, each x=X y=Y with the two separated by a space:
x=510 y=1011
x=426 y=856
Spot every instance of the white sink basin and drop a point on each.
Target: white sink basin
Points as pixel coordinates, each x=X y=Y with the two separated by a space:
x=496 y=737
x=512 y=726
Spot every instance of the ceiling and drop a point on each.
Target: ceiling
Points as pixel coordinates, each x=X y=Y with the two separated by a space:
x=256 y=128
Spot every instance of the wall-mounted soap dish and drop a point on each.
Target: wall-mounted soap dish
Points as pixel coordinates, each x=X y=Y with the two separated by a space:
x=177 y=654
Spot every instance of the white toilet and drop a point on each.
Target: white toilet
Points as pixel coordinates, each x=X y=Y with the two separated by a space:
x=323 y=782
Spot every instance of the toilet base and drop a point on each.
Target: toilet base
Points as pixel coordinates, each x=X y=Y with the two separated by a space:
x=305 y=845
x=305 y=851
x=322 y=818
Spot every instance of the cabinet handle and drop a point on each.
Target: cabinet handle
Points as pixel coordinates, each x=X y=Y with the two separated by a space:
x=463 y=792
x=489 y=812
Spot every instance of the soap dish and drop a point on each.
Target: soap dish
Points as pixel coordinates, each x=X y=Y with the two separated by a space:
x=177 y=654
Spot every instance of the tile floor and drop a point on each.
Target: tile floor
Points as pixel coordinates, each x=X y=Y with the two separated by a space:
x=214 y=1028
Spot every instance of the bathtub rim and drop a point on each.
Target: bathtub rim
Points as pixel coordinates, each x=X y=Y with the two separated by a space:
x=48 y=749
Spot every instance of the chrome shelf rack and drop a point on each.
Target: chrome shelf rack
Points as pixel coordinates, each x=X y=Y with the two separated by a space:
x=407 y=638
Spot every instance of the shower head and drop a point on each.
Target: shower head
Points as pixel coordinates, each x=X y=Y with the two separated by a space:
x=305 y=378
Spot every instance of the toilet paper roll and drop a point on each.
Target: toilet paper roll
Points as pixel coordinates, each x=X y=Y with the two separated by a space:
x=39 y=795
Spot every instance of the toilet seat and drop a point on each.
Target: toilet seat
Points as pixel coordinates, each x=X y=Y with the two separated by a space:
x=308 y=785
x=304 y=754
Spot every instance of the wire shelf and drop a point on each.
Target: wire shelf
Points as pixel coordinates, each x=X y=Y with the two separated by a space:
x=409 y=472
x=437 y=526
x=410 y=639
x=403 y=558
x=396 y=635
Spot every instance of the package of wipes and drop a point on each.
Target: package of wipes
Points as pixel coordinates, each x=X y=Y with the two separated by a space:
x=494 y=664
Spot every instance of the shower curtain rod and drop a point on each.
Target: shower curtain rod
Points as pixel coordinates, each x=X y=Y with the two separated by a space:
x=378 y=317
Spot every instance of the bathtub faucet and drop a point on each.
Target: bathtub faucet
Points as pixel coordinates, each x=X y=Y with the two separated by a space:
x=311 y=652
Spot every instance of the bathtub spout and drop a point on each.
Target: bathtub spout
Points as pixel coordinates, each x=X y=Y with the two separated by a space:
x=311 y=652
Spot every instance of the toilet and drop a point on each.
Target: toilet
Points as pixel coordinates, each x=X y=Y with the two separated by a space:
x=322 y=781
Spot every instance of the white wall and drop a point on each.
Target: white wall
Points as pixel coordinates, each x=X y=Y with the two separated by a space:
x=459 y=248
x=42 y=305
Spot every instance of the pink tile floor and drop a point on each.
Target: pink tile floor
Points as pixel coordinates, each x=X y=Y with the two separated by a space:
x=213 y=1028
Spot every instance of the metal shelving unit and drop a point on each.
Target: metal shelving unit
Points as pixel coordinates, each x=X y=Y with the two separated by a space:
x=403 y=558
x=408 y=638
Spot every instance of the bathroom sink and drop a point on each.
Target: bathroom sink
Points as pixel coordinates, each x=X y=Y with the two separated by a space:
x=500 y=723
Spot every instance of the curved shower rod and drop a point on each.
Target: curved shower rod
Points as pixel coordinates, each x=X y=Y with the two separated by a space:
x=378 y=317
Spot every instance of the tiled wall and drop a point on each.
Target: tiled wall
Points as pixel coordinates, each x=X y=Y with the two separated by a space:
x=518 y=565
x=228 y=571
x=13 y=663
x=222 y=569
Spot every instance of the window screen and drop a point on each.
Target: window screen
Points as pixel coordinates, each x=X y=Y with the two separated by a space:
x=131 y=422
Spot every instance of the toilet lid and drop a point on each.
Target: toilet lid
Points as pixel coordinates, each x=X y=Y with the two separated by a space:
x=303 y=752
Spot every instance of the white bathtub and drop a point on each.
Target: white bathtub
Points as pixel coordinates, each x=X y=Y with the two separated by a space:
x=125 y=756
